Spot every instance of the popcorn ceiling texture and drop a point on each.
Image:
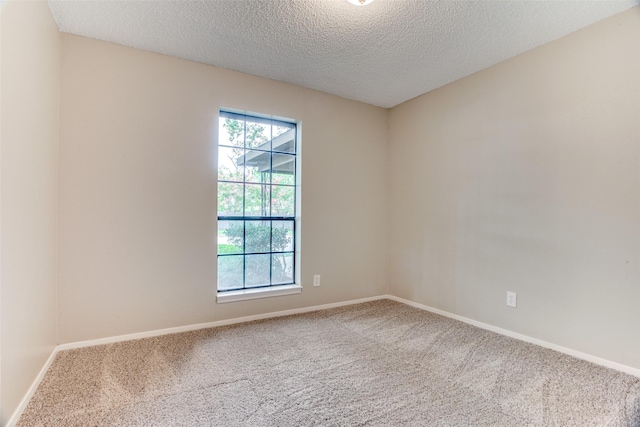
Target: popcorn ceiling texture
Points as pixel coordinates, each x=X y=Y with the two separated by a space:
x=382 y=54
x=379 y=363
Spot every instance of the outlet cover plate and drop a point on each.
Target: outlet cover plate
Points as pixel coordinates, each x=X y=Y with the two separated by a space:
x=512 y=299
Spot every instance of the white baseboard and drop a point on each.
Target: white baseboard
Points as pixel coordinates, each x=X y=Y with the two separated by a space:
x=578 y=354
x=590 y=358
x=198 y=326
x=31 y=391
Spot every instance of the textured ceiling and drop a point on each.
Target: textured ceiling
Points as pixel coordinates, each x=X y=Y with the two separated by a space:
x=383 y=54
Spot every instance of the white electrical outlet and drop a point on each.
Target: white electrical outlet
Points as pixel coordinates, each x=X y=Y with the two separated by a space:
x=511 y=299
x=316 y=280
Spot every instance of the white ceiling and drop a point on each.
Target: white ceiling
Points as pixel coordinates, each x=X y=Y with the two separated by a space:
x=383 y=54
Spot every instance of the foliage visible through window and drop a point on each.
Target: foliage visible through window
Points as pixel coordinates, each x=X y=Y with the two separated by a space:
x=256 y=202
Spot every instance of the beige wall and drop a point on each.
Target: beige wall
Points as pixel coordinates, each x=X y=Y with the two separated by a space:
x=523 y=177
x=526 y=177
x=29 y=82
x=138 y=190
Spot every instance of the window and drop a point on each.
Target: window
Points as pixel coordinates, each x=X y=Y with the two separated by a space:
x=256 y=203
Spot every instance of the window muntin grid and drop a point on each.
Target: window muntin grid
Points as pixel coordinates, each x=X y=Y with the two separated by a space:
x=256 y=202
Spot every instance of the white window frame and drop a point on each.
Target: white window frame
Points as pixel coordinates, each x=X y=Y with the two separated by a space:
x=272 y=290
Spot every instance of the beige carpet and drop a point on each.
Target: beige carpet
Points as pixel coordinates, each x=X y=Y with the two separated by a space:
x=379 y=363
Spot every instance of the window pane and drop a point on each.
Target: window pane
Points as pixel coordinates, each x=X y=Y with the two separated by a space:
x=256 y=178
x=258 y=165
x=231 y=132
x=258 y=236
x=230 y=272
x=282 y=236
x=229 y=199
x=230 y=164
x=280 y=128
x=282 y=201
x=256 y=200
x=258 y=134
x=282 y=269
x=230 y=237
x=284 y=135
x=284 y=166
x=257 y=270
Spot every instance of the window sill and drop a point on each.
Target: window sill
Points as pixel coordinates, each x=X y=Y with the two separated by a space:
x=247 y=294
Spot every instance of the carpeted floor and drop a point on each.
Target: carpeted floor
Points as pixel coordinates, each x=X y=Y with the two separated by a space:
x=378 y=363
